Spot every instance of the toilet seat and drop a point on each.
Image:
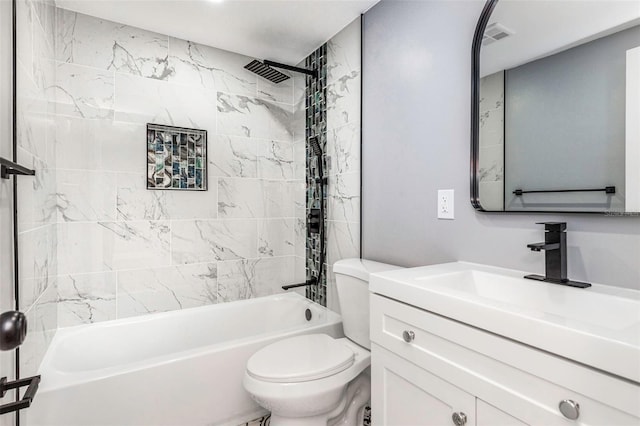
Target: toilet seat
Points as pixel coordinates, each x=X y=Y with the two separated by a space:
x=300 y=359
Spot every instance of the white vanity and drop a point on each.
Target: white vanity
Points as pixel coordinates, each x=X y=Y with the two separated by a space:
x=467 y=344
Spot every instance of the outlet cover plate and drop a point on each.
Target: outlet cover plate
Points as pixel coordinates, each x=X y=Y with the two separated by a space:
x=445 y=204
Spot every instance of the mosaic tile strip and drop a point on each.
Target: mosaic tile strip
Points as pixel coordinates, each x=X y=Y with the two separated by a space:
x=176 y=158
x=316 y=125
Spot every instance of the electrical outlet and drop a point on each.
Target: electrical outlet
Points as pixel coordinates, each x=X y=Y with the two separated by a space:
x=445 y=204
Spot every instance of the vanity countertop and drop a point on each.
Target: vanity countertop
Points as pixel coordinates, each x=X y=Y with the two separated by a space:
x=598 y=326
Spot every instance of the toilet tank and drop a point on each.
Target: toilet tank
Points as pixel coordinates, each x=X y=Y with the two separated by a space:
x=352 y=283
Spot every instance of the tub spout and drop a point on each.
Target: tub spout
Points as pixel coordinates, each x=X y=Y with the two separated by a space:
x=310 y=282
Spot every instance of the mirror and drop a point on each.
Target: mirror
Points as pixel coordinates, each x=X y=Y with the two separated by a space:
x=556 y=107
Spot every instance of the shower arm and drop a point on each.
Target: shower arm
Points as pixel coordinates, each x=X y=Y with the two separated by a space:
x=312 y=73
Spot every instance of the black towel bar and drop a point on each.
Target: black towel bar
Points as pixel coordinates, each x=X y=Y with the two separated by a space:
x=607 y=189
x=8 y=168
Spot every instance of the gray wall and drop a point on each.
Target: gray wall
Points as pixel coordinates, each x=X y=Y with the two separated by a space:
x=416 y=126
x=565 y=126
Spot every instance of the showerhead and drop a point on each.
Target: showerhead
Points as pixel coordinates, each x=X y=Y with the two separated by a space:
x=265 y=71
x=314 y=144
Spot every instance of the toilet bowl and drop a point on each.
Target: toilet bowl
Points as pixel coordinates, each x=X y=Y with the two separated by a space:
x=316 y=380
x=303 y=380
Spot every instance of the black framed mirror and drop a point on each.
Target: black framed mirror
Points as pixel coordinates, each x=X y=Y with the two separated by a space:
x=555 y=116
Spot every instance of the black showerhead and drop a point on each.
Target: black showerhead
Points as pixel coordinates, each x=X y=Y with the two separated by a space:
x=265 y=71
x=314 y=144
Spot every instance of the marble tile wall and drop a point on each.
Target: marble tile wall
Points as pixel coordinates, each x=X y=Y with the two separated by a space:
x=124 y=250
x=492 y=141
x=343 y=151
x=37 y=231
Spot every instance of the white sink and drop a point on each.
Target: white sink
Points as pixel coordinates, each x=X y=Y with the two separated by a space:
x=598 y=326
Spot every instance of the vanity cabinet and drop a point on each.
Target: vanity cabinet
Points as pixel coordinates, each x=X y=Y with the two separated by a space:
x=427 y=369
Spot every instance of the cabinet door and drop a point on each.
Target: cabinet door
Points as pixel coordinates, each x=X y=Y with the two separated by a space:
x=488 y=415
x=405 y=395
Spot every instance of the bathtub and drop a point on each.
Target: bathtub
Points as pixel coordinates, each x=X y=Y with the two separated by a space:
x=175 y=368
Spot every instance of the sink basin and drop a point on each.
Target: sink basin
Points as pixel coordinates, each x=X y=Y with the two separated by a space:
x=598 y=326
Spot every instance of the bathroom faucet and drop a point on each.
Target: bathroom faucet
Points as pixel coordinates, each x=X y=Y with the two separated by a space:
x=555 y=255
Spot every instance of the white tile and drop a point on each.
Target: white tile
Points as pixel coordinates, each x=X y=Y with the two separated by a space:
x=83 y=144
x=252 y=117
x=32 y=116
x=85 y=195
x=94 y=247
x=37 y=194
x=300 y=244
x=24 y=37
x=136 y=202
x=38 y=262
x=98 y=43
x=343 y=100
x=249 y=278
x=146 y=291
x=233 y=156
x=275 y=160
x=343 y=241
x=195 y=64
x=83 y=92
x=300 y=160
x=299 y=129
x=299 y=87
x=343 y=197
x=237 y=280
x=42 y=319
x=196 y=241
x=139 y=243
x=343 y=148
x=145 y=100
x=279 y=198
x=86 y=298
x=343 y=52
x=240 y=198
x=276 y=237
x=281 y=92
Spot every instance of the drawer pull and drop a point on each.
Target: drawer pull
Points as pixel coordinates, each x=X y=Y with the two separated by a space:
x=408 y=336
x=570 y=409
x=459 y=419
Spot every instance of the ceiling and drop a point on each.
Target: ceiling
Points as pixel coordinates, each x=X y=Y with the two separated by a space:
x=284 y=31
x=544 y=27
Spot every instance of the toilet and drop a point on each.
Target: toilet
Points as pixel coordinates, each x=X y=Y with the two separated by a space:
x=316 y=380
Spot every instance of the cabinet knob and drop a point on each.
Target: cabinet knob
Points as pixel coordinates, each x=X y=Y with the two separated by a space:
x=459 y=419
x=570 y=409
x=408 y=336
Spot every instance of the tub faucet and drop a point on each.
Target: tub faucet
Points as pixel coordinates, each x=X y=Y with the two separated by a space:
x=555 y=255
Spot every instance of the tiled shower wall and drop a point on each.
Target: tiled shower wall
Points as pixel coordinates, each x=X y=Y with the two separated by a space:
x=125 y=250
x=35 y=27
x=343 y=151
x=333 y=116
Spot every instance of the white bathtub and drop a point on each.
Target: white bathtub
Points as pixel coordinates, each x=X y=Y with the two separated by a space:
x=174 y=368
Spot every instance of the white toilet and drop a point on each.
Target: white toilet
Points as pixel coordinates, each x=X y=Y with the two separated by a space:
x=316 y=380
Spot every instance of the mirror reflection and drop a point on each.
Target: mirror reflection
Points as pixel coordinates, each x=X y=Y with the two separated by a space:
x=559 y=107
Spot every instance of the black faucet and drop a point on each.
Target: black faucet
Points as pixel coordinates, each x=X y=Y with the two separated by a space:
x=555 y=255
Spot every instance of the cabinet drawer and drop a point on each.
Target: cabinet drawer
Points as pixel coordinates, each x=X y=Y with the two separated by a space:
x=523 y=381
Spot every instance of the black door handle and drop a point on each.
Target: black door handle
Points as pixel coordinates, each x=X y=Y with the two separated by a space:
x=13 y=330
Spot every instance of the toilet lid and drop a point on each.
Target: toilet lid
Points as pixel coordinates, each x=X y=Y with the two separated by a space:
x=300 y=359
